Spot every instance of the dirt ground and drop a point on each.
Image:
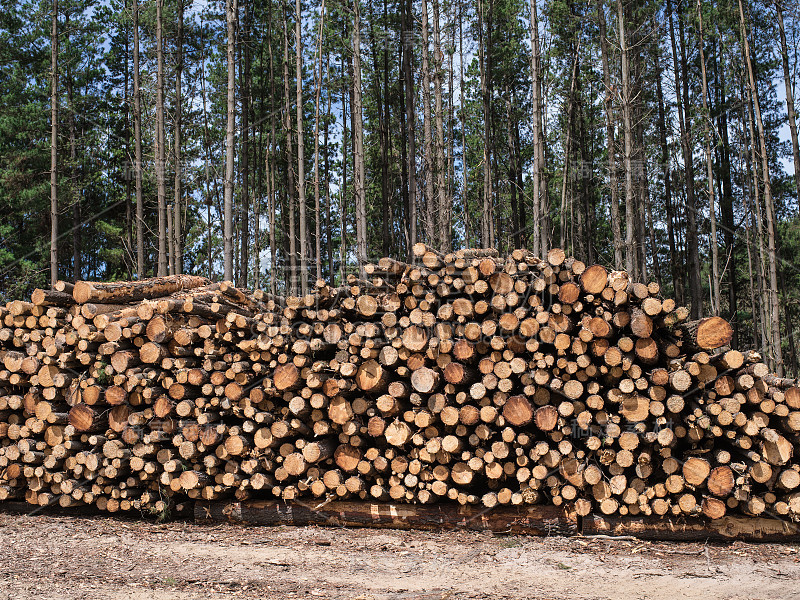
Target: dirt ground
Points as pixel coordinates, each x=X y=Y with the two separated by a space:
x=47 y=557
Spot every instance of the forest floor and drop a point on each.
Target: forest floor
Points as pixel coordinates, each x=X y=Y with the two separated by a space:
x=48 y=557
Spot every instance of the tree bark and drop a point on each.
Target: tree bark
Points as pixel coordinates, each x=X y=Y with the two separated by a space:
x=231 y=13
x=487 y=214
x=246 y=92
x=443 y=203
x=537 y=128
x=160 y=146
x=463 y=118
x=709 y=171
x=317 y=91
x=631 y=264
x=677 y=279
x=177 y=233
x=128 y=202
x=54 y=146
x=427 y=136
x=271 y=166
x=137 y=140
x=301 y=156
x=72 y=169
x=682 y=102
x=616 y=229
x=358 y=142
x=287 y=121
x=407 y=35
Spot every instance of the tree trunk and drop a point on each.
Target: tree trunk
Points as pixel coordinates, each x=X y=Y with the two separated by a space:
x=631 y=264
x=677 y=279
x=343 y=188
x=301 y=156
x=54 y=146
x=328 y=220
x=725 y=188
x=710 y=171
x=287 y=125
x=383 y=138
x=271 y=162
x=463 y=118
x=247 y=102
x=231 y=13
x=487 y=216
x=616 y=229
x=787 y=80
x=756 y=218
x=72 y=170
x=358 y=142
x=770 y=208
x=128 y=202
x=207 y=152
x=160 y=146
x=317 y=91
x=407 y=35
x=177 y=234
x=537 y=129
x=682 y=102
x=443 y=202
x=137 y=140
x=427 y=136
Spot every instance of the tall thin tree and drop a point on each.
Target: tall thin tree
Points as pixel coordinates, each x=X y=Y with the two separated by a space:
x=159 y=143
x=358 y=142
x=177 y=237
x=137 y=140
x=54 y=145
x=301 y=157
x=709 y=170
x=231 y=16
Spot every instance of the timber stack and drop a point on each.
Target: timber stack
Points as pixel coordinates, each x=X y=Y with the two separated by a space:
x=466 y=378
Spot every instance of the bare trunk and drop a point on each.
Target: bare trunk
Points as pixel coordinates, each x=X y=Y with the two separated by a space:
x=72 y=171
x=317 y=91
x=487 y=217
x=677 y=279
x=408 y=85
x=709 y=173
x=287 y=125
x=271 y=192
x=536 y=96
x=443 y=203
x=358 y=142
x=301 y=156
x=160 y=146
x=231 y=10
x=54 y=146
x=177 y=228
x=463 y=118
x=616 y=229
x=631 y=264
x=137 y=140
x=128 y=199
x=682 y=102
x=245 y=88
x=427 y=136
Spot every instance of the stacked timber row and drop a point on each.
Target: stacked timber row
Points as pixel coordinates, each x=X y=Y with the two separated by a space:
x=464 y=377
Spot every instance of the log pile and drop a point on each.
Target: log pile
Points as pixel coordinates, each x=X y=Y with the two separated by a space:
x=465 y=377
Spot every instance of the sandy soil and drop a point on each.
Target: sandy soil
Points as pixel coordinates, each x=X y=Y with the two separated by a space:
x=47 y=557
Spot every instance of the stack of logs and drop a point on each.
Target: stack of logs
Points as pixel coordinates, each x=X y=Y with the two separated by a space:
x=464 y=377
